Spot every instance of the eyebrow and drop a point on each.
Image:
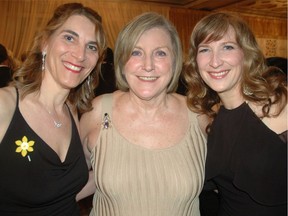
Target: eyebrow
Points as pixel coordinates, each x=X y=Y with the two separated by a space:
x=160 y=47
x=71 y=32
x=224 y=42
x=77 y=35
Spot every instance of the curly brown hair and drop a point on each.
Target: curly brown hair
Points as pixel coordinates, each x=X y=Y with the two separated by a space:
x=256 y=77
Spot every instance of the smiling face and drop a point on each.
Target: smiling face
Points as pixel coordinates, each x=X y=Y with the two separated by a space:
x=149 y=68
x=220 y=64
x=71 y=52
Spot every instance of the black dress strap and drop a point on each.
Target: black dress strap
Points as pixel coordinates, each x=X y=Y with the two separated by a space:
x=17 y=96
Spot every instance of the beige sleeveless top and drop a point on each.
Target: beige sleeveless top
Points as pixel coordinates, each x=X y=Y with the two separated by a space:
x=135 y=181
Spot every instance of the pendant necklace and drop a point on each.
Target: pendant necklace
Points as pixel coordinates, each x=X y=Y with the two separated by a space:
x=56 y=124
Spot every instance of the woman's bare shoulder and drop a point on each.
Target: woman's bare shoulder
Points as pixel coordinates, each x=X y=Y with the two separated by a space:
x=91 y=118
x=7 y=99
x=95 y=115
x=90 y=124
x=202 y=119
x=7 y=108
x=277 y=122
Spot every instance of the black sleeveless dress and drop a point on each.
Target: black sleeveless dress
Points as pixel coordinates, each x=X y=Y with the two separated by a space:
x=38 y=183
x=248 y=163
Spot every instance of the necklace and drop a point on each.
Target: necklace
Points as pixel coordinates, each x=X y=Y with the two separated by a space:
x=56 y=124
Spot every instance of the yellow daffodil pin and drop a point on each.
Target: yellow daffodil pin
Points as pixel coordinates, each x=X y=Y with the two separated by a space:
x=24 y=146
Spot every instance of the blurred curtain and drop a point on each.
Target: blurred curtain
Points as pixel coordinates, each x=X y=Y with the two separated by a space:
x=21 y=19
x=271 y=34
x=185 y=20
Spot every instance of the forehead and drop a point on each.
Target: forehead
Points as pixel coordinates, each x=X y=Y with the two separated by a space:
x=228 y=34
x=157 y=36
x=80 y=25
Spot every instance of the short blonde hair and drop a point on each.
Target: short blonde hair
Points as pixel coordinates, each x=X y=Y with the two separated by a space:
x=128 y=38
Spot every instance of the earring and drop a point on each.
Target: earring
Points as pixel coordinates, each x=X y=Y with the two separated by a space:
x=89 y=79
x=43 y=60
x=247 y=91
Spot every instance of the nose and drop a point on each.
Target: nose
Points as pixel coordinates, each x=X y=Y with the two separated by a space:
x=148 y=64
x=215 y=60
x=79 y=52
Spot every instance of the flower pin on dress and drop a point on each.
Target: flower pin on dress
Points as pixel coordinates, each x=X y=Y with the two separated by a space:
x=24 y=146
x=106 y=121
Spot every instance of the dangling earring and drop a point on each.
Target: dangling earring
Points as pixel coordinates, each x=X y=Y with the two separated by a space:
x=247 y=91
x=89 y=79
x=43 y=60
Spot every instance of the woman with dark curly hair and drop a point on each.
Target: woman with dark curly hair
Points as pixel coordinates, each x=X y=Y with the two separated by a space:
x=42 y=162
x=228 y=80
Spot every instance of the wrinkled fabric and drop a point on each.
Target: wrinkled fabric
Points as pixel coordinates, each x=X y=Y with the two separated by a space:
x=132 y=180
x=248 y=162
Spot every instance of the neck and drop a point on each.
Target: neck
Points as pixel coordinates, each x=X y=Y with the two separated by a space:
x=231 y=101
x=57 y=112
x=149 y=107
x=52 y=96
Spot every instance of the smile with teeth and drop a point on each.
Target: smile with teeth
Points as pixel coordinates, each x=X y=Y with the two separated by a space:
x=219 y=74
x=147 y=78
x=72 y=67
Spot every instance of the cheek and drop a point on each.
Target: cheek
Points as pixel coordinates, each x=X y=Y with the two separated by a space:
x=93 y=60
x=131 y=63
x=204 y=76
x=164 y=65
x=128 y=65
x=200 y=61
x=126 y=68
x=51 y=63
x=236 y=59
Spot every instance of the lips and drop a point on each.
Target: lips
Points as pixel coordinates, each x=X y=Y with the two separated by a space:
x=219 y=75
x=147 y=78
x=73 y=68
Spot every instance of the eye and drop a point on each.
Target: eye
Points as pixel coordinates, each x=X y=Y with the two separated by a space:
x=136 y=53
x=228 y=47
x=92 y=47
x=202 y=50
x=160 y=53
x=69 y=37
